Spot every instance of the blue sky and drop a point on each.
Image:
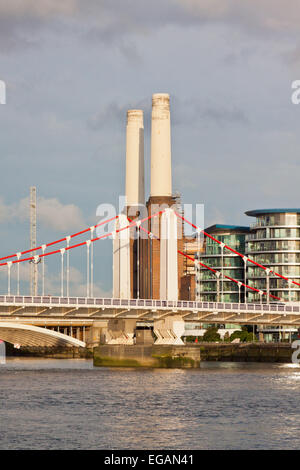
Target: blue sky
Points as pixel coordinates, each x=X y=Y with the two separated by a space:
x=73 y=68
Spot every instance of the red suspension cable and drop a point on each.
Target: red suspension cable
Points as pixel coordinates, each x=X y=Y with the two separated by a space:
x=83 y=243
x=57 y=241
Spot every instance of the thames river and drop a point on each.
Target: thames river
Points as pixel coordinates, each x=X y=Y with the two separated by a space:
x=69 y=404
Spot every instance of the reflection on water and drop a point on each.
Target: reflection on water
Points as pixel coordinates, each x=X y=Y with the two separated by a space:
x=69 y=404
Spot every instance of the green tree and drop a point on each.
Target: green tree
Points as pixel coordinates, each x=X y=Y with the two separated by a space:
x=211 y=334
x=243 y=335
x=226 y=337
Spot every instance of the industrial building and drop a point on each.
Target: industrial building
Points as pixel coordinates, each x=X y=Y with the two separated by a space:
x=143 y=266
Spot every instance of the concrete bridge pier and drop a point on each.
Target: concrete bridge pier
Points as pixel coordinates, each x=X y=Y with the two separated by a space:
x=95 y=334
x=169 y=330
x=120 y=331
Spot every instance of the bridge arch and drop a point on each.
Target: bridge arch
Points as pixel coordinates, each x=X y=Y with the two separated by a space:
x=29 y=335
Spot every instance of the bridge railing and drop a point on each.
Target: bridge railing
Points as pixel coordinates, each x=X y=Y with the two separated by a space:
x=54 y=301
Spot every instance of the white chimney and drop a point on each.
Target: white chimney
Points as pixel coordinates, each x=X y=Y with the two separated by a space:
x=135 y=187
x=161 y=172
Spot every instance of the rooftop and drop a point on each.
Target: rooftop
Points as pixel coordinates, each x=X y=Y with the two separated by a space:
x=237 y=228
x=256 y=212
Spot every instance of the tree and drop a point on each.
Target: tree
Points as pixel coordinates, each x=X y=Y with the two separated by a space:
x=211 y=334
x=226 y=337
x=243 y=335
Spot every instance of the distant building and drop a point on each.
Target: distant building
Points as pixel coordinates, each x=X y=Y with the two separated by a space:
x=227 y=263
x=274 y=241
x=205 y=284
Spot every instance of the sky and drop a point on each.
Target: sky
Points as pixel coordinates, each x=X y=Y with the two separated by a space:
x=72 y=69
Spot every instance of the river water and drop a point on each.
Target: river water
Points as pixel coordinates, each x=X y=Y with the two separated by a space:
x=69 y=404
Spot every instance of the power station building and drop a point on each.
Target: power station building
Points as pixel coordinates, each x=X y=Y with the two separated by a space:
x=146 y=262
x=143 y=266
x=149 y=261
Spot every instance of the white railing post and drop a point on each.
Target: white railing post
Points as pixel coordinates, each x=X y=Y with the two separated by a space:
x=239 y=285
x=92 y=263
x=43 y=269
x=18 y=274
x=88 y=243
x=36 y=261
x=268 y=284
x=138 y=260
x=197 y=265
x=245 y=259
x=222 y=271
x=9 y=265
x=68 y=238
x=62 y=251
x=218 y=285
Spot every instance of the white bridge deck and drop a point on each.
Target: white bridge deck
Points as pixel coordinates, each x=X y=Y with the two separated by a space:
x=26 y=307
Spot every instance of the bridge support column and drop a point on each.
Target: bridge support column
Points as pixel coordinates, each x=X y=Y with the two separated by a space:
x=121 y=260
x=120 y=331
x=94 y=334
x=169 y=330
x=168 y=256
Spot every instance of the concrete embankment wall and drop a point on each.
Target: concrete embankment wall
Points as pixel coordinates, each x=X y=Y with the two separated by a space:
x=146 y=356
x=189 y=356
x=164 y=356
x=53 y=352
x=248 y=352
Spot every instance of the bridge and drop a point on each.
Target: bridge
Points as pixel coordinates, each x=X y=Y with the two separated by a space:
x=78 y=321
x=62 y=310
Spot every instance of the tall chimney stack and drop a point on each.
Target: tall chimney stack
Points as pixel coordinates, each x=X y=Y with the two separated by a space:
x=135 y=186
x=161 y=173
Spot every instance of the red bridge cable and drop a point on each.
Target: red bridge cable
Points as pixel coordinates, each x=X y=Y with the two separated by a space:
x=236 y=252
x=133 y=224
x=58 y=241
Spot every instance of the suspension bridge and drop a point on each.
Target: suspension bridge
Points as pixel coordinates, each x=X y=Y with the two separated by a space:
x=27 y=319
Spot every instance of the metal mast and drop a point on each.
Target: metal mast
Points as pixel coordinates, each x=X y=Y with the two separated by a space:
x=33 y=265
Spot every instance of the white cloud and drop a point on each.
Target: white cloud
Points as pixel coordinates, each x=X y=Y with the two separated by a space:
x=51 y=213
x=272 y=15
x=3 y=210
x=41 y=9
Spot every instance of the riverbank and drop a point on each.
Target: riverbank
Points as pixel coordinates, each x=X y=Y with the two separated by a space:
x=49 y=352
x=189 y=356
x=246 y=352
